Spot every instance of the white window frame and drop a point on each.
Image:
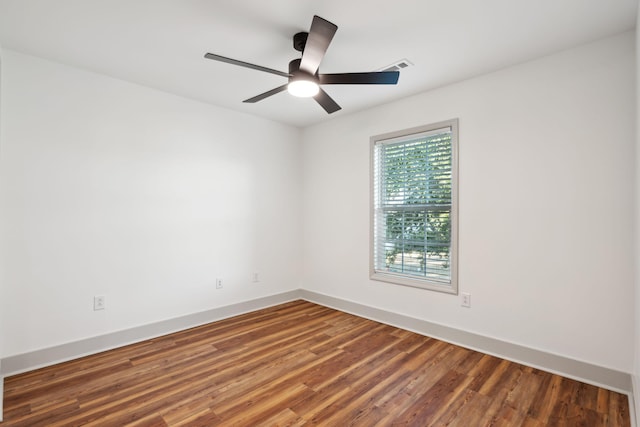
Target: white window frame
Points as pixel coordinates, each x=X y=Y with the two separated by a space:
x=448 y=286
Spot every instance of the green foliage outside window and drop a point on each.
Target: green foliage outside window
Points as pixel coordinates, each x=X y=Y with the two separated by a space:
x=416 y=205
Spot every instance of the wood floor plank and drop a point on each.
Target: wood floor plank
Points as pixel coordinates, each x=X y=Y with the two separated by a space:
x=520 y=398
x=285 y=418
x=499 y=411
x=454 y=410
x=433 y=402
x=618 y=410
x=302 y=364
x=545 y=397
x=425 y=370
x=364 y=390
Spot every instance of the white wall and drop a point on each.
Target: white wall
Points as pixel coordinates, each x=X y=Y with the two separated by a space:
x=546 y=201
x=114 y=189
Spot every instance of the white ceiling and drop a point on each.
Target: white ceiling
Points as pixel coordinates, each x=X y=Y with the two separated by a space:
x=161 y=43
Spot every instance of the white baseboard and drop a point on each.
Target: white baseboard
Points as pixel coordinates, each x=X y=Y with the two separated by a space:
x=570 y=368
x=61 y=353
x=586 y=372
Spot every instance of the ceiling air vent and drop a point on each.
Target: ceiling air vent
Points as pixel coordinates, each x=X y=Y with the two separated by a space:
x=398 y=65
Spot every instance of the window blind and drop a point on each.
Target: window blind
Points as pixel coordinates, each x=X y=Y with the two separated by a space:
x=413 y=205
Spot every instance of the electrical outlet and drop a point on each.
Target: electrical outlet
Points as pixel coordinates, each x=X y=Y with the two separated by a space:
x=218 y=283
x=466 y=299
x=98 y=302
x=255 y=278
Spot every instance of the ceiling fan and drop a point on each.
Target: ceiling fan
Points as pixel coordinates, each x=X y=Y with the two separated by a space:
x=303 y=77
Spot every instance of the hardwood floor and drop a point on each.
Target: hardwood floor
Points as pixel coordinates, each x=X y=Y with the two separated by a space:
x=302 y=364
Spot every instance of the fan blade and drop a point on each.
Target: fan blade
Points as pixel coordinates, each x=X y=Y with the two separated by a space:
x=326 y=102
x=320 y=36
x=374 y=78
x=245 y=64
x=266 y=94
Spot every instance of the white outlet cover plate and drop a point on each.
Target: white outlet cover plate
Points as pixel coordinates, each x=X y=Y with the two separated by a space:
x=466 y=299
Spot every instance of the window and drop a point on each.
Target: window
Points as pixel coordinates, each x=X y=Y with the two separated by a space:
x=414 y=207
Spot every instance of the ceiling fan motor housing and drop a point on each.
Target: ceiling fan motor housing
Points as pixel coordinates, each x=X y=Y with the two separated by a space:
x=300 y=40
x=296 y=74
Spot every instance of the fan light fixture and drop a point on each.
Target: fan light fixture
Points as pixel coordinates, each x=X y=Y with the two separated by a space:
x=303 y=88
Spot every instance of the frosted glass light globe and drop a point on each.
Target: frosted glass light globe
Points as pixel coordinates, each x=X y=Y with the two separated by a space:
x=303 y=88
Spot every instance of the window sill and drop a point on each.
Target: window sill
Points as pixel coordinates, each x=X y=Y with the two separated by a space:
x=397 y=279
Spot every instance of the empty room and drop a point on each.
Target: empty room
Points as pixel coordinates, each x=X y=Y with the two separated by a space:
x=288 y=213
